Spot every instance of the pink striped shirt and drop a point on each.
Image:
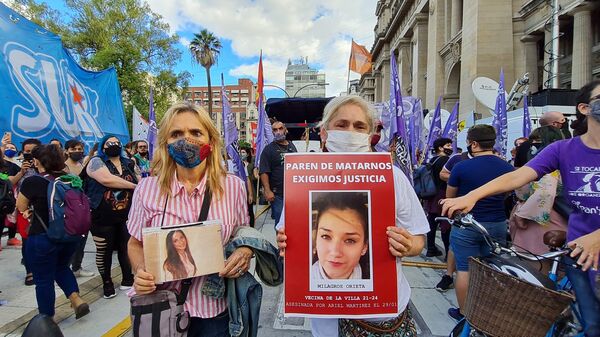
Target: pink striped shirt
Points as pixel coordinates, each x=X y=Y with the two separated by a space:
x=147 y=210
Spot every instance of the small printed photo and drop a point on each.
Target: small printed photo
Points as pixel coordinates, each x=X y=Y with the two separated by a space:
x=340 y=240
x=185 y=251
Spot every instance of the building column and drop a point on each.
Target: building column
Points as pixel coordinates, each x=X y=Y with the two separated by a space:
x=404 y=59
x=419 y=58
x=531 y=60
x=456 y=20
x=582 y=47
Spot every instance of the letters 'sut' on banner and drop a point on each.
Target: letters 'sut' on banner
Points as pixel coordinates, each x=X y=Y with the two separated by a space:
x=337 y=261
x=45 y=94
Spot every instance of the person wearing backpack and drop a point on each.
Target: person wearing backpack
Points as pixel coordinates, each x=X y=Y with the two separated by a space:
x=48 y=259
x=109 y=182
x=442 y=149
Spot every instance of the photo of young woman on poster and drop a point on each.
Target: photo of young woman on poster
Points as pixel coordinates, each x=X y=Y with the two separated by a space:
x=340 y=236
x=179 y=263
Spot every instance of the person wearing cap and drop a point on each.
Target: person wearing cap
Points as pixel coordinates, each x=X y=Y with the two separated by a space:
x=467 y=175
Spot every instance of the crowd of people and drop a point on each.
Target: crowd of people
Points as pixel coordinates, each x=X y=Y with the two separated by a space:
x=551 y=182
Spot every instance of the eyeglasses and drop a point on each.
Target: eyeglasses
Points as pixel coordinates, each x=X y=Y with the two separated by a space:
x=107 y=144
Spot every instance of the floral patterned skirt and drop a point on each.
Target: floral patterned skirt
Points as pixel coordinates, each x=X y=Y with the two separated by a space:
x=401 y=326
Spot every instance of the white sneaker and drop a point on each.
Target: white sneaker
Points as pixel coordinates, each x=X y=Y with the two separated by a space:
x=124 y=288
x=83 y=273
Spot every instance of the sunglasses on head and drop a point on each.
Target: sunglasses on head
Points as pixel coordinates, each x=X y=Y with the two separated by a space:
x=107 y=144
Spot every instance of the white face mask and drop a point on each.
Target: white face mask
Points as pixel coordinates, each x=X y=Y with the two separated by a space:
x=347 y=141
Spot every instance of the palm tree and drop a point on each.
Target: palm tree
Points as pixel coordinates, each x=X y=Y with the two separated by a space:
x=205 y=48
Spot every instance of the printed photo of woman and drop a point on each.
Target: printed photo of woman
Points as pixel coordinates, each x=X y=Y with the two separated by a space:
x=179 y=263
x=340 y=232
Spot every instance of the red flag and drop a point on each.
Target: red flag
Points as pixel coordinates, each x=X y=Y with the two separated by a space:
x=260 y=84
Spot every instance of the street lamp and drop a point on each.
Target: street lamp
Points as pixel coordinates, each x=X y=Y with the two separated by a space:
x=308 y=85
x=278 y=87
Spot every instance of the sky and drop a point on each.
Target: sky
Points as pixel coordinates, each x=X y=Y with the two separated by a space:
x=321 y=30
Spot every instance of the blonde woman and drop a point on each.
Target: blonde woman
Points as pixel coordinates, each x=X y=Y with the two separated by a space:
x=186 y=163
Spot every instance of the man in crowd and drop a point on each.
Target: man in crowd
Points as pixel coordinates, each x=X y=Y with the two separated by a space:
x=142 y=157
x=465 y=177
x=557 y=120
x=271 y=168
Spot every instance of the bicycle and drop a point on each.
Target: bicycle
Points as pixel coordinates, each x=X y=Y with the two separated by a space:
x=510 y=262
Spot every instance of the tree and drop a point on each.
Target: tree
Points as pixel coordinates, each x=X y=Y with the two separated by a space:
x=124 y=34
x=205 y=48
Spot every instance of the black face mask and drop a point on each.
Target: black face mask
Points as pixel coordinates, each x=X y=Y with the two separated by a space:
x=470 y=150
x=565 y=130
x=113 y=150
x=76 y=156
x=448 y=152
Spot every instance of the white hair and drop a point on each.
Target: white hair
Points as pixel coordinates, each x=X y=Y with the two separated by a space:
x=336 y=103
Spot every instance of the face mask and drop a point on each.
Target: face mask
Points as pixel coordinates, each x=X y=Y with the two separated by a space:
x=565 y=130
x=113 y=150
x=244 y=156
x=595 y=110
x=448 y=152
x=347 y=141
x=278 y=137
x=375 y=139
x=76 y=156
x=188 y=155
x=10 y=153
x=470 y=150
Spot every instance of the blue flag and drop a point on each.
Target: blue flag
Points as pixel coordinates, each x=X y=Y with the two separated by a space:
x=398 y=127
x=526 y=117
x=500 y=121
x=152 y=128
x=435 y=129
x=45 y=94
x=230 y=134
x=451 y=128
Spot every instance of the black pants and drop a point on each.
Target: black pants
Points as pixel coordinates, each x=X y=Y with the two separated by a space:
x=12 y=230
x=433 y=225
x=109 y=237
x=251 y=214
x=78 y=255
x=210 y=327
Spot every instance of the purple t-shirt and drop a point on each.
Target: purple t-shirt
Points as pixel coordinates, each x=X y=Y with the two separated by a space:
x=579 y=168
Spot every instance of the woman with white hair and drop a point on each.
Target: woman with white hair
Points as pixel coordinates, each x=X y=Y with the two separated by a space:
x=187 y=164
x=347 y=126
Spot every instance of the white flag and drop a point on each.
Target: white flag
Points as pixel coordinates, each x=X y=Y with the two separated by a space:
x=140 y=126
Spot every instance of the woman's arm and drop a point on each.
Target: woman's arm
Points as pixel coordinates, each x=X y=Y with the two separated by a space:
x=143 y=281
x=504 y=183
x=98 y=171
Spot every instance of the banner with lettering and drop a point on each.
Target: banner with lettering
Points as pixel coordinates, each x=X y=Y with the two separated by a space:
x=45 y=94
x=337 y=261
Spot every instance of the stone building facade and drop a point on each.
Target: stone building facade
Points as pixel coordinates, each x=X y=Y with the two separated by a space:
x=241 y=97
x=443 y=45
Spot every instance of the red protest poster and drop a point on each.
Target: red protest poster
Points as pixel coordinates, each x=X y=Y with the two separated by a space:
x=337 y=261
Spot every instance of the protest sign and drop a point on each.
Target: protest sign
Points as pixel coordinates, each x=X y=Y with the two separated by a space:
x=183 y=251
x=337 y=209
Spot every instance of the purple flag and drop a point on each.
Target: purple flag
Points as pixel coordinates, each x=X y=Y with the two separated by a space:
x=526 y=118
x=264 y=133
x=152 y=129
x=398 y=127
x=435 y=129
x=415 y=127
x=500 y=121
x=451 y=128
x=230 y=134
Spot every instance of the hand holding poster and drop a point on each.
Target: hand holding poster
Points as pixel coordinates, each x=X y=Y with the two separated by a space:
x=337 y=260
x=183 y=251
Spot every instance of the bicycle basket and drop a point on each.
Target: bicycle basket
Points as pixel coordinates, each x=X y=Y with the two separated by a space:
x=502 y=305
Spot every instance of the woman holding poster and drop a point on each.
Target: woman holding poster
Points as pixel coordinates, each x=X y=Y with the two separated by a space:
x=187 y=163
x=347 y=126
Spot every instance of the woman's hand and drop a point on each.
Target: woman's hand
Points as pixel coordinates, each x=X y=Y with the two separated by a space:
x=281 y=244
x=588 y=249
x=238 y=263
x=402 y=243
x=462 y=204
x=143 y=282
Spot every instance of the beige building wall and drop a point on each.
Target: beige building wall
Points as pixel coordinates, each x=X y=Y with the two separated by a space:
x=443 y=45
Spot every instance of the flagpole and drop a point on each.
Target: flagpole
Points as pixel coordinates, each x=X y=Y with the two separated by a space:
x=349 y=59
